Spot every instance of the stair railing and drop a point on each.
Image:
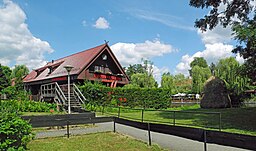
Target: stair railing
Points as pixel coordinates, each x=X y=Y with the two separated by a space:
x=79 y=94
x=60 y=94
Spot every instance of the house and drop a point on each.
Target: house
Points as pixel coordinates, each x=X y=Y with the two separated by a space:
x=95 y=64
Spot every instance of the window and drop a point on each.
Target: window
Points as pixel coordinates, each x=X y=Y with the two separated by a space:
x=99 y=69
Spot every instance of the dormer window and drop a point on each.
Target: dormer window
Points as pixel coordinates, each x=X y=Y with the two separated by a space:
x=50 y=70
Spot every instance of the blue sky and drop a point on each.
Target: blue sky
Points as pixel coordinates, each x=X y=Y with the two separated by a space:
x=37 y=31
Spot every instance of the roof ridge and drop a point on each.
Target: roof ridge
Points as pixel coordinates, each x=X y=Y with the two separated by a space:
x=81 y=52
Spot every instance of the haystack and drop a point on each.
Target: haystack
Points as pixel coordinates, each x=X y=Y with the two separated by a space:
x=215 y=94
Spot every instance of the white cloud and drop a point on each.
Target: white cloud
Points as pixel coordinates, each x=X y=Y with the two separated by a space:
x=212 y=53
x=157 y=73
x=217 y=35
x=132 y=53
x=101 y=23
x=17 y=44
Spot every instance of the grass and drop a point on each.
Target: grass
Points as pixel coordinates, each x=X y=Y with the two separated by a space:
x=98 y=141
x=234 y=120
x=40 y=113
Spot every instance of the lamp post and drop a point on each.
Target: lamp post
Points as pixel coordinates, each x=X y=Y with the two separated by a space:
x=68 y=68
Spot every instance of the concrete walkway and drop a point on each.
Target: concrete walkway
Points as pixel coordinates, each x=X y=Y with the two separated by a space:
x=169 y=142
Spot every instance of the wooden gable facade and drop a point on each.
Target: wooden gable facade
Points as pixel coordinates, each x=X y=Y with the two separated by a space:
x=95 y=64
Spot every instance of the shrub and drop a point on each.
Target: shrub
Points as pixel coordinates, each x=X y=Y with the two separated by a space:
x=99 y=95
x=27 y=106
x=15 y=133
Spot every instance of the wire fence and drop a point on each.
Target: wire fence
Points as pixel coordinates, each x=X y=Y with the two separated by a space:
x=200 y=119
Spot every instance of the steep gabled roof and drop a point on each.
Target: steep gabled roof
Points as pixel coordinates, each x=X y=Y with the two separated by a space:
x=79 y=61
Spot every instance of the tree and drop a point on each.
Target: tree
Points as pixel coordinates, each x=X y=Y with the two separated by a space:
x=199 y=76
x=18 y=74
x=167 y=81
x=143 y=80
x=236 y=14
x=5 y=73
x=228 y=70
x=198 y=61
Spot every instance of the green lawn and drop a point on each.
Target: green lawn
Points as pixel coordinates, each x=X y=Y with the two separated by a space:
x=234 y=120
x=108 y=141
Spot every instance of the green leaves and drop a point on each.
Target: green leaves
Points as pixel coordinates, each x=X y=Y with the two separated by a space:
x=15 y=133
x=99 y=95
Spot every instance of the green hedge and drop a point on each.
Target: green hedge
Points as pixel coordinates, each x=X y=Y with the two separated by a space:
x=99 y=95
x=27 y=106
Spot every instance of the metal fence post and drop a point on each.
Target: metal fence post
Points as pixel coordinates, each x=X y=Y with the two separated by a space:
x=118 y=111
x=174 y=116
x=68 y=128
x=102 y=110
x=114 y=124
x=205 y=140
x=149 y=135
x=220 y=121
x=142 y=115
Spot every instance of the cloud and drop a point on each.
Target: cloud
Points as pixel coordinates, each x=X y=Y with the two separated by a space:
x=212 y=53
x=17 y=43
x=132 y=53
x=217 y=35
x=101 y=23
x=157 y=73
x=166 y=19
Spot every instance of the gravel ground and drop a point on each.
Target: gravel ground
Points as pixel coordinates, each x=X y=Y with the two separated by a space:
x=169 y=142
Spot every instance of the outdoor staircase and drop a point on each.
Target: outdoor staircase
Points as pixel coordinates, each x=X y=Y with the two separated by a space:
x=59 y=93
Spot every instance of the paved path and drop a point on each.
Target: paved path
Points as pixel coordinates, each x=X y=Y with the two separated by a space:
x=165 y=141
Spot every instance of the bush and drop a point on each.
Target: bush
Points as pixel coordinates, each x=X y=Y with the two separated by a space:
x=99 y=95
x=15 y=133
x=27 y=106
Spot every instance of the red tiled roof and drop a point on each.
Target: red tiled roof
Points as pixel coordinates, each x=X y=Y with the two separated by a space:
x=79 y=61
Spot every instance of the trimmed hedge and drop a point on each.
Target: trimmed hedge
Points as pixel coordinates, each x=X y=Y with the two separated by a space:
x=99 y=95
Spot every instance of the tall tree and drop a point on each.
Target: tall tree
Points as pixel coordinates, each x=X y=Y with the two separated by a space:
x=5 y=73
x=199 y=76
x=237 y=13
x=228 y=70
x=143 y=80
x=198 y=61
x=167 y=81
x=18 y=74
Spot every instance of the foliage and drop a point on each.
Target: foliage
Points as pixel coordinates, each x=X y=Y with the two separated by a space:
x=142 y=74
x=15 y=133
x=99 y=95
x=176 y=83
x=246 y=36
x=199 y=61
x=12 y=93
x=143 y=80
x=228 y=70
x=5 y=73
x=27 y=106
x=241 y=16
x=18 y=74
x=199 y=76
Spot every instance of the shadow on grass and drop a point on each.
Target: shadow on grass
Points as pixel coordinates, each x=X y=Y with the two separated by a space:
x=242 y=120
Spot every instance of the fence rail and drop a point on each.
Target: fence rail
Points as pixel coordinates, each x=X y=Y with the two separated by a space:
x=173 y=119
x=202 y=135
